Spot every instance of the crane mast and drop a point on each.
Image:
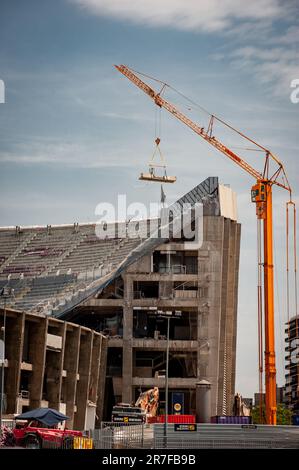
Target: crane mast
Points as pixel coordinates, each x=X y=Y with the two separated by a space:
x=261 y=195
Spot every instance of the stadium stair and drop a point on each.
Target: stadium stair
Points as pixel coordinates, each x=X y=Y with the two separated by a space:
x=17 y=251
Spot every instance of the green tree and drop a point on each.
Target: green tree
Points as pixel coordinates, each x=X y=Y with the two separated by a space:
x=284 y=415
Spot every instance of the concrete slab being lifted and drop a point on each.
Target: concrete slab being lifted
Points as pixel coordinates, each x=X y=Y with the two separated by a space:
x=158 y=179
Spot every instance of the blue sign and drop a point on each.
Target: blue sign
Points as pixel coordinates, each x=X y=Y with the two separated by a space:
x=177 y=400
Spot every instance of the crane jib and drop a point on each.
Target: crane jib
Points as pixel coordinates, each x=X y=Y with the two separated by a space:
x=233 y=155
x=159 y=101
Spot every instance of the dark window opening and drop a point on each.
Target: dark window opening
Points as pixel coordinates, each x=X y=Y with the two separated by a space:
x=25 y=356
x=180 y=262
x=153 y=364
x=24 y=384
x=114 y=362
x=147 y=324
x=115 y=290
x=110 y=324
x=146 y=290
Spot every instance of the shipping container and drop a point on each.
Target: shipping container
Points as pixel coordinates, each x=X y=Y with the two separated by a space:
x=183 y=419
x=231 y=419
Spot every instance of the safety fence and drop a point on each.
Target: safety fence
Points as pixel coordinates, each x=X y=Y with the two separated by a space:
x=113 y=435
x=214 y=436
x=37 y=441
x=194 y=436
x=9 y=423
x=119 y=436
x=70 y=442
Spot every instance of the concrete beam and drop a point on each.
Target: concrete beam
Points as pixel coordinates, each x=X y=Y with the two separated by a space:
x=172 y=382
x=175 y=247
x=103 y=303
x=163 y=277
x=26 y=366
x=175 y=303
x=160 y=345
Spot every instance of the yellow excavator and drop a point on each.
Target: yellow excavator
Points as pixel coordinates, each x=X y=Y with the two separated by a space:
x=145 y=406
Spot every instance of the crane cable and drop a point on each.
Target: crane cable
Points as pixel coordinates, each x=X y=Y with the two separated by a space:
x=164 y=85
x=260 y=317
x=292 y=204
x=262 y=148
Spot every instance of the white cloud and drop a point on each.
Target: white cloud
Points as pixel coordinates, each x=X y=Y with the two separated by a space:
x=190 y=15
x=252 y=24
x=274 y=66
x=84 y=154
x=67 y=154
x=290 y=36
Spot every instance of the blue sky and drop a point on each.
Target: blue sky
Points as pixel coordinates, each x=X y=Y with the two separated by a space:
x=74 y=132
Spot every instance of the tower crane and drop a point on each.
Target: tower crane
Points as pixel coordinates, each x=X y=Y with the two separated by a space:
x=273 y=173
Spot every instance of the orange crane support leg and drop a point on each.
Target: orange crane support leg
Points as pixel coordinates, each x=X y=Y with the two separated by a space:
x=270 y=369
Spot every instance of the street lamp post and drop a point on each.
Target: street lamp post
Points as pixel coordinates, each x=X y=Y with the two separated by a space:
x=5 y=294
x=166 y=382
x=168 y=315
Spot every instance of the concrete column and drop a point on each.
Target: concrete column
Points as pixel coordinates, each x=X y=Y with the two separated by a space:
x=225 y=288
x=203 y=314
x=95 y=368
x=37 y=356
x=54 y=367
x=102 y=380
x=203 y=402
x=213 y=243
x=14 y=350
x=127 y=394
x=127 y=355
x=71 y=362
x=84 y=378
x=235 y=322
x=230 y=319
x=63 y=352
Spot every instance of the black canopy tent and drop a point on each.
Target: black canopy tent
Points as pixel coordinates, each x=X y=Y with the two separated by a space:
x=47 y=416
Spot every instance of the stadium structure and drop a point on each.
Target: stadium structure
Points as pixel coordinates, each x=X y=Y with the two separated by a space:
x=120 y=286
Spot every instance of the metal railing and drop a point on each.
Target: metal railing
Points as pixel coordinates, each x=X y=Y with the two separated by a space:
x=8 y=423
x=119 y=436
x=215 y=436
x=172 y=269
x=195 y=436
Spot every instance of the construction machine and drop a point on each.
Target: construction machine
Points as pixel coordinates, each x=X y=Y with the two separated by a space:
x=145 y=406
x=272 y=174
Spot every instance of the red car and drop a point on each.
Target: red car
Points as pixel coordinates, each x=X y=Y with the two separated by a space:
x=39 y=429
x=35 y=435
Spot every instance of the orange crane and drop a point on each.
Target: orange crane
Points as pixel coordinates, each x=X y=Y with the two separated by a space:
x=261 y=195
